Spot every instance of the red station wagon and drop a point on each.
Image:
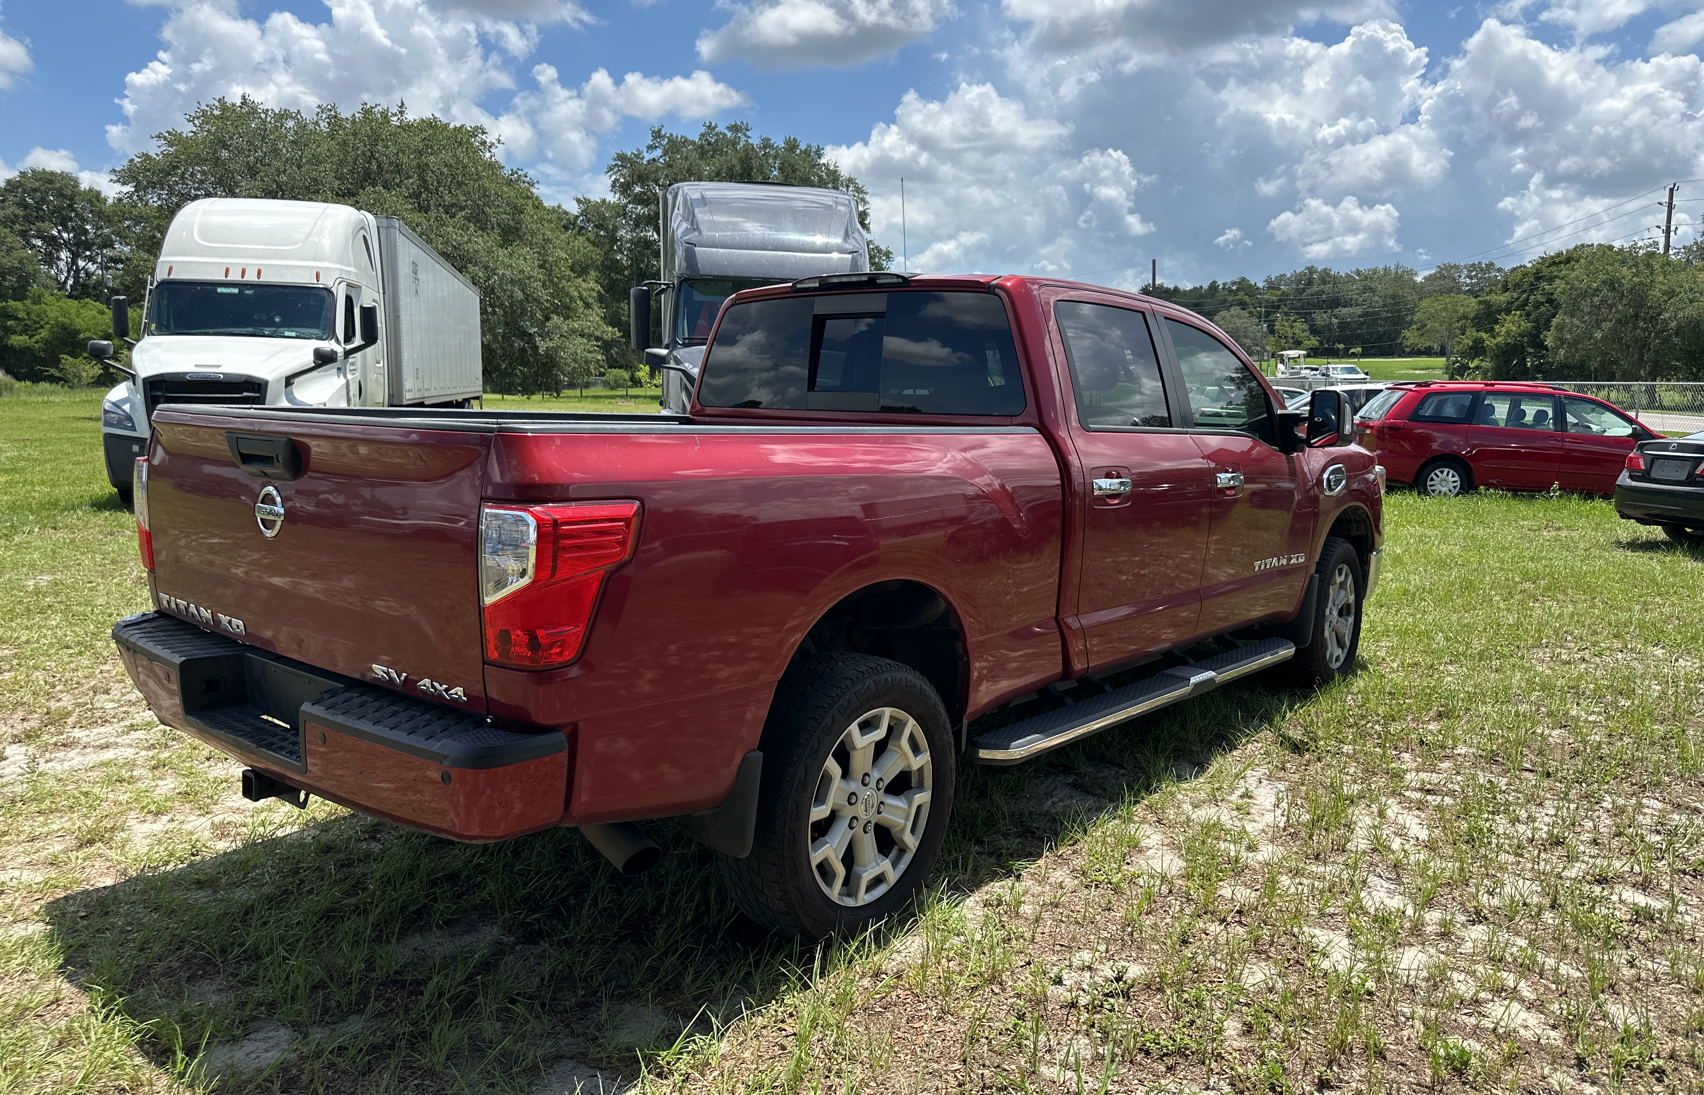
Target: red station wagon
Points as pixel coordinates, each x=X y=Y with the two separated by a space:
x=1448 y=437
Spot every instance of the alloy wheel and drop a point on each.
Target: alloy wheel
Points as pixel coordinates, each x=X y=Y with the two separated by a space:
x=871 y=806
x=1339 y=616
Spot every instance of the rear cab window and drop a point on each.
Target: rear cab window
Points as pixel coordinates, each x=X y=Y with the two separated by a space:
x=899 y=352
x=1115 y=372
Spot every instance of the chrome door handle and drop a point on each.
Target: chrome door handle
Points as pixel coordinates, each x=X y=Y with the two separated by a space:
x=1105 y=487
x=1228 y=479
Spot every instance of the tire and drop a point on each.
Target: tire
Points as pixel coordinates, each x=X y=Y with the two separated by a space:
x=1680 y=534
x=823 y=705
x=1444 y=478
x=1336 y=626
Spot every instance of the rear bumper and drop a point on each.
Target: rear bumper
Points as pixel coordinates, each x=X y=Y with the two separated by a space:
x=1660 y=503
x=413 y=762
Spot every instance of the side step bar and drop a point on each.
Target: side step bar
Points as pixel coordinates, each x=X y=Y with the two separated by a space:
x=1075 y=721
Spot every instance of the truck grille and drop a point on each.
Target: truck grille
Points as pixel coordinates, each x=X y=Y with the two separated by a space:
x=197 y=388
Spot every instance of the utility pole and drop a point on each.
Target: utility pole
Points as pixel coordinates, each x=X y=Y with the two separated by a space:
x=904 y=241
x=1153 y=275
x=1668 y=218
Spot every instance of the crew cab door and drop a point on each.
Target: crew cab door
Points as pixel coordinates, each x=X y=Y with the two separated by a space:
x=1258 y=534
x=1144 y=482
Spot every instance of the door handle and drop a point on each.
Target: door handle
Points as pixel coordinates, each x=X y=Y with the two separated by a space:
x=1228 y=479
x=1107 y=487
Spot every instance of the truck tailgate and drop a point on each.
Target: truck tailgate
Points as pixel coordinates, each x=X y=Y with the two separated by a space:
x=372 y=572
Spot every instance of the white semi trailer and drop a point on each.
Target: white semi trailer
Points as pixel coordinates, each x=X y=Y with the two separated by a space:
x=719 y=238
x=301 y=303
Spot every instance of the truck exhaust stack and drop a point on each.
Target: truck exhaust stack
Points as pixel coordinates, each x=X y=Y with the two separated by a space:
x=625 y=845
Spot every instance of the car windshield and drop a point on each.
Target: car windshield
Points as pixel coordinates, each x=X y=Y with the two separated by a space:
x=698 y=301
x=264 y=311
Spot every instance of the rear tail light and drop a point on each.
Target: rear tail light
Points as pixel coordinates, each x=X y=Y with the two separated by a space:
x=1635 y=461
x=139 y=497
x=541 y=569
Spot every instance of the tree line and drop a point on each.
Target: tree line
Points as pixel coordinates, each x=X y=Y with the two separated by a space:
x=553 y=281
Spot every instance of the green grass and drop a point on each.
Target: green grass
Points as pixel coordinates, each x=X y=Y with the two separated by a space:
x=1477 y=864
x=1405 y=368
x=632 y=401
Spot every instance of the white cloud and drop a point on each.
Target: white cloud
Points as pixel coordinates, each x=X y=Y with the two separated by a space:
x=1589 y=17
x=808 y=33
x=562 y=124
x=440 y=57
x=1324 y=231
x=14 y=60
x=1231 y=239
x=59 y=159
x=989 y=187
x=1680 y=35
x=791 y=34
x=1145 y=31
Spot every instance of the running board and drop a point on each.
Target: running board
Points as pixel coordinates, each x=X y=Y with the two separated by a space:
x=1076 y=721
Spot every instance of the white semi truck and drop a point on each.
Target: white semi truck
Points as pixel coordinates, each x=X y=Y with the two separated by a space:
x=265 y=302
x=719 y=238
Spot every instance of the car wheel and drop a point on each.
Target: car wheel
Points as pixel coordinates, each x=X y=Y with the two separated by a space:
x=1444 y=479
x=1335 y=633
x=857 y=788
x=1680 y=534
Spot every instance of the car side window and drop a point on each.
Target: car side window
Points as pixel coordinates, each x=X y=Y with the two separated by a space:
x=348 y=319
x=1380 y=404
x=1589 y=416
x=1517 y=411
x=1114 y=370
x=1443 y=407
x=1223 y=392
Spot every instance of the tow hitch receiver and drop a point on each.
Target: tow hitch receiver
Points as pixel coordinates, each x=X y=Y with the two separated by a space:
x=258 y=786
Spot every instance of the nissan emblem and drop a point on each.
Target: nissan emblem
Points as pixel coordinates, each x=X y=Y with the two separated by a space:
x=269 y=511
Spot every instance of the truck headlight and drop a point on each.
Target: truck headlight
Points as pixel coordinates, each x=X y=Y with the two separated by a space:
x=115 y=415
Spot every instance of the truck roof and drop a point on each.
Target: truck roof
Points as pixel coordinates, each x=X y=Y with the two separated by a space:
x=259 y=238
x=718 y=229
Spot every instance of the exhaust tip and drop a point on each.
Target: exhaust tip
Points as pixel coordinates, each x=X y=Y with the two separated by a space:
x=625 y=845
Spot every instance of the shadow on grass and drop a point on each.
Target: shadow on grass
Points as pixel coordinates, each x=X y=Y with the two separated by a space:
x=1661 y=545
x=391 y=960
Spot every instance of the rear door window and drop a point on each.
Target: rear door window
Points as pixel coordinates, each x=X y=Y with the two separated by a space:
x=899 y=352
x=1444 y=407
x=1114 y=369
x=1517 y=411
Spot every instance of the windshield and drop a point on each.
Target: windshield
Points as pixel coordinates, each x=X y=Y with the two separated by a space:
x=699 y=301
x=265 y=311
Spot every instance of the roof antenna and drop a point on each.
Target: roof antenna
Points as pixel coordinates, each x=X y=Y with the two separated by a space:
x=904 y=246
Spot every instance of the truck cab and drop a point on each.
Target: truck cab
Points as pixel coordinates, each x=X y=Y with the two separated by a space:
x=281 y=303
x=720 y=238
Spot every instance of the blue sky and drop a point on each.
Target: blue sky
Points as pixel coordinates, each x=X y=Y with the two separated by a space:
x=1079 y=138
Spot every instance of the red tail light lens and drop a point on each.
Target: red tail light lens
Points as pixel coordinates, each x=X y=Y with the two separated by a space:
x=541 y=569
x=139 y=497
x=1635 y=461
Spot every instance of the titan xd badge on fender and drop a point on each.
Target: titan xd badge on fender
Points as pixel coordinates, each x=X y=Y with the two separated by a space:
x=269 y=511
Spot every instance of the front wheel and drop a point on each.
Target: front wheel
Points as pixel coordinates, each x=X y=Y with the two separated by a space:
x=1336 y=627
x=857 y=787
x=1680 y=534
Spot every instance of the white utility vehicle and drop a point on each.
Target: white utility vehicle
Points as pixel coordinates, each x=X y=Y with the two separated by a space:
x=276 y=303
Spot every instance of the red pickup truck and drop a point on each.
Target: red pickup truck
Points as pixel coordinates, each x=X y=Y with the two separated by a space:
x=896 y=505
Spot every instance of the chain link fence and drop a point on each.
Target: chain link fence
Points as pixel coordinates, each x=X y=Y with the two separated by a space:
x=1670 y=406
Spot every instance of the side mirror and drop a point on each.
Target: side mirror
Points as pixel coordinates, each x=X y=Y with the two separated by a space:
x=100 y=349
x=657 y=358
x=639 y=319
x=325 y=355
x=369 y=324
x=1330 y=421
x=120 y=319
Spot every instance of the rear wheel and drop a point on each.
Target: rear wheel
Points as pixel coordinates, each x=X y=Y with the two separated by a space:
x=1680 y=534
x=1336 y=627
x=858 y=774
x=1444 y=478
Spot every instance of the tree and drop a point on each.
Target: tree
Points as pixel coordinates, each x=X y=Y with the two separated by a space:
x=1505 y=339
x=1245 y=330
x=19 y=269
x=66 y=224
x=1455 y=278
x=1612 y=318
x=41 y=331
x=1438 y=323
x=624 y=226
x=1291 y=333
x=539 y=306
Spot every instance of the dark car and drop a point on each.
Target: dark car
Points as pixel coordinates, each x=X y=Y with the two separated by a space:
x=1663 y=485
x=1449 y=436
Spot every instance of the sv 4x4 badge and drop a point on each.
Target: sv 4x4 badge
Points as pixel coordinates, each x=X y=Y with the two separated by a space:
x=386 y=675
